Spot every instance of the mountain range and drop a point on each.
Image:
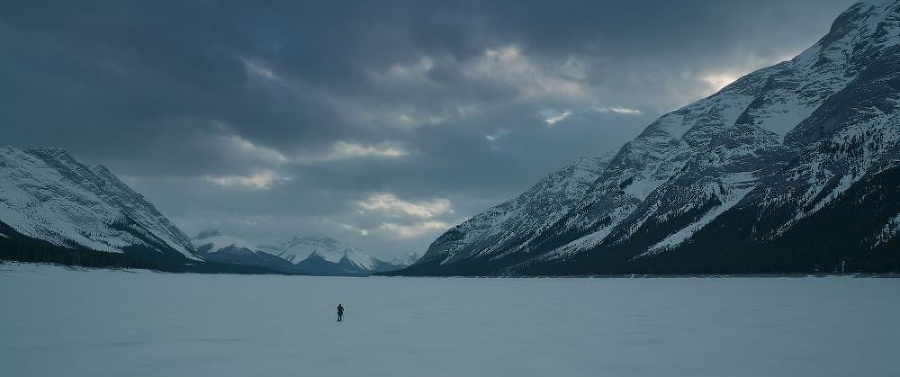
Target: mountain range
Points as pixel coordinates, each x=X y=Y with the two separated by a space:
x=56 y=209
x=309 y=255
x=792 y=168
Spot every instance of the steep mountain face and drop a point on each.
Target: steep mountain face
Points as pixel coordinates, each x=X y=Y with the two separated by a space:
x=745 y=180
x=509 y=227
x=323 y=255
x=47 y=195
x=213 y=246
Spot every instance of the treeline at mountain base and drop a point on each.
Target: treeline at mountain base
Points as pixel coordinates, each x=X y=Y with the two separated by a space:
x=19 y=248
x=827 y=242
x=38 y=251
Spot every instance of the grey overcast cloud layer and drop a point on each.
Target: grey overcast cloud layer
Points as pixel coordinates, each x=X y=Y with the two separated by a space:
x=382 y=123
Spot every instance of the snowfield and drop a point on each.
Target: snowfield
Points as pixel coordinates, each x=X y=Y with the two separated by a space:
x=60 y=322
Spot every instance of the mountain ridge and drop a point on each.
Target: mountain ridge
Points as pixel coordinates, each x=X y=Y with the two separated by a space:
x=47 y=194
x=312 y=254
x=746 y=146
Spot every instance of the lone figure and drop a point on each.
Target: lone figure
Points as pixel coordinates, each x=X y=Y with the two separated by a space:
x=340 y=312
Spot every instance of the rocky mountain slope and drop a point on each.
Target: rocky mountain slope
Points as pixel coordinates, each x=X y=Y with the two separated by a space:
x=792 y=168
x=46 y=195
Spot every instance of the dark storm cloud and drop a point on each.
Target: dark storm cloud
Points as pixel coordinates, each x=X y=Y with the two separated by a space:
x=278 y=117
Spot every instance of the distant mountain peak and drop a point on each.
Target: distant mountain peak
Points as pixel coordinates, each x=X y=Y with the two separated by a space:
x=216 y=242
x=359 y=259
x=406 y=258
x=312 y=239
x=331 y=255
x=323 y=255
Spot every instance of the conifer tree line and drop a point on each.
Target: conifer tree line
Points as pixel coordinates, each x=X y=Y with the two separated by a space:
x=25 y=249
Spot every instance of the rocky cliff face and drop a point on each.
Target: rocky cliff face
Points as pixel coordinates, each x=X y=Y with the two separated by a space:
x=745 y=180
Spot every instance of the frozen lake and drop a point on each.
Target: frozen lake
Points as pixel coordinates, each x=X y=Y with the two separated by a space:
x=56 y=322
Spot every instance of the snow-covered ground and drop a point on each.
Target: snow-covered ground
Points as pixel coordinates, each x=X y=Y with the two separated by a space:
x=59 y=322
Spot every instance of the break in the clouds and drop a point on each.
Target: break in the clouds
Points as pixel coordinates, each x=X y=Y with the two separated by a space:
x=379 y=122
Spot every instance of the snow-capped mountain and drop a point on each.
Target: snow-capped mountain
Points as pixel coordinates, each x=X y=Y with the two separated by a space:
x=406 y=259
x=45 y=194
x=299 y=248
x=791 y=168
x=213 y=246
x=322 y=255
x=498 y=230
x=211 y=241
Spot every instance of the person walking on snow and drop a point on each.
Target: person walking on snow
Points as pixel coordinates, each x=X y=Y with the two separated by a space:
x=340 y=312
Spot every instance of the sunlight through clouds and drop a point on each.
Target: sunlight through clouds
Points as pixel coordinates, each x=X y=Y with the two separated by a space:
x=340 y=150
x=509 y=65
x=345 y=150
x=254 y=151
x=393 y=206
x=554 y=119
x=413 y=230
x=258 y=181
x=618 y=110
x=717 y=81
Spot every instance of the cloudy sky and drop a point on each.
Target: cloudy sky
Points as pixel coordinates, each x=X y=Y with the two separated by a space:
x=381 y=123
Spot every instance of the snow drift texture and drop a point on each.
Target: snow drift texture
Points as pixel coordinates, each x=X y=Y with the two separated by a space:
x=62 y=322
x=790 y=168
